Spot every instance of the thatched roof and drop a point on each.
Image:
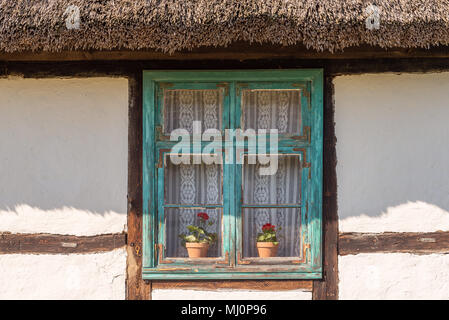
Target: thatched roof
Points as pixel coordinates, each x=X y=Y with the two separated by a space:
x=172 y=25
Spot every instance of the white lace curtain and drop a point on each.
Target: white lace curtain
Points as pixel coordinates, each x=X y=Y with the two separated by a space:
x=182 y=107
x=202 y=184
x=272 y=109
x=192 y=184
x=282 y=188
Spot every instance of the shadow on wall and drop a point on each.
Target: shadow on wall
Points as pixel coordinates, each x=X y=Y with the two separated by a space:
x=63 y=154
x=393 y=152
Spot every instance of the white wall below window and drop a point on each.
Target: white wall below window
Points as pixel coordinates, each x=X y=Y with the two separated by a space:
x=174 y=294
x=394 y=276
x=73 y=276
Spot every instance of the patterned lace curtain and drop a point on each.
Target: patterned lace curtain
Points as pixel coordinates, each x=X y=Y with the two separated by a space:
x=182 y=107
x=201 y=184
x=272 y=109
x=192 y=184
x=279 y=189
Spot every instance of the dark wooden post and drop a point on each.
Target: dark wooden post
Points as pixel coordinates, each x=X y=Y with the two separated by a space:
x=327 y=289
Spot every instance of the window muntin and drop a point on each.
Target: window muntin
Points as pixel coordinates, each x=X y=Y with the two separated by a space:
x=195 y=188
x=276 y=199
x=300 y=157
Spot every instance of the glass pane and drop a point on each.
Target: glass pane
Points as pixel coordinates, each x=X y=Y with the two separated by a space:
x=283 y=187
x=177 y=221
x=287 y=225
x=193 y=183
x=272 y=109
x=182 y=107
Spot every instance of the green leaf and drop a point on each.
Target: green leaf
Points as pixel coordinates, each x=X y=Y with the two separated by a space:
x=192 y=228
x=191 y=238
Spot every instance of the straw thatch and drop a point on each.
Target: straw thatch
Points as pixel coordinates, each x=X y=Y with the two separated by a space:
x=172 y=25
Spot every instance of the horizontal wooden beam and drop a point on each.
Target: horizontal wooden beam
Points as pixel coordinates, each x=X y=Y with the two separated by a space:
x=82 y=69
x=59 y=244
x=237 y=51
x=408 y=242
x=272 y=285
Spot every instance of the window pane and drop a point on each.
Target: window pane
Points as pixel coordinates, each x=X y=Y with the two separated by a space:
x=272 y=109
x=287 y=219
x=283 y=187
x=182 y=107
x=193 y=183
x=178 y=219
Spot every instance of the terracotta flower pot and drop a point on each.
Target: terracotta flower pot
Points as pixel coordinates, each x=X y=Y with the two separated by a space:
x=197 y=250
x=267 y=249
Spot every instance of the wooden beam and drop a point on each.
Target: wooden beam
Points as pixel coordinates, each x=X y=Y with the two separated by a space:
x=236 y=51
x=125 y=68
x=136 y=288
x=327 y=288
x=410 y=242
x=59 y=244
x=274 y=285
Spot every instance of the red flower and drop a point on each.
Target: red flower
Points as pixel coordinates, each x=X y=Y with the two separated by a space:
x=268 y=227
x=203 y=215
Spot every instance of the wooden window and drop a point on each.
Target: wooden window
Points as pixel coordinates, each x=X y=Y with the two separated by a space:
x=233 y=193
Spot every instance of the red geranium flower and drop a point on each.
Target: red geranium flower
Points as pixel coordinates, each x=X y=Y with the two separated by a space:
x=268 y=227
x=203 y=215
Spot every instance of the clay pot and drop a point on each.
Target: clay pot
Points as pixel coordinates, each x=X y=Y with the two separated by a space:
x=197 y=250
x=267 y=249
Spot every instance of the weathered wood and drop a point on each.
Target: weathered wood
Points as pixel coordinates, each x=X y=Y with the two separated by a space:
x=327 y=288
x=411 y=242
x=59 y=244
x=136 y=288
x=236 y=51
x=332 y=67
x=273 y=285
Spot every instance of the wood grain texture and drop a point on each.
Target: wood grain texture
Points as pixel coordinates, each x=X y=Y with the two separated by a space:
x=136 y=288
x=235 y=51
x=186 y=269
x=327 y=288
x=59 y=244
x=332 y=67
x=209 y=285
x=409 y=242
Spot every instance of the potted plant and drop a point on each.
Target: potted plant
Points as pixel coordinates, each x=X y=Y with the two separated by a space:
x=198 y=240
x=267 y=242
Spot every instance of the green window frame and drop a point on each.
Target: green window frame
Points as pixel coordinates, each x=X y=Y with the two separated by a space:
x=307 y=146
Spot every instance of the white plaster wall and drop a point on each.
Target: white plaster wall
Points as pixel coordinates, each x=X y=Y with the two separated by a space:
x=73 y=276
x=392 y=152
x=392 y=175
x=63 y=170
x=175 y=294
x=394 y=276
x=63 y=155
